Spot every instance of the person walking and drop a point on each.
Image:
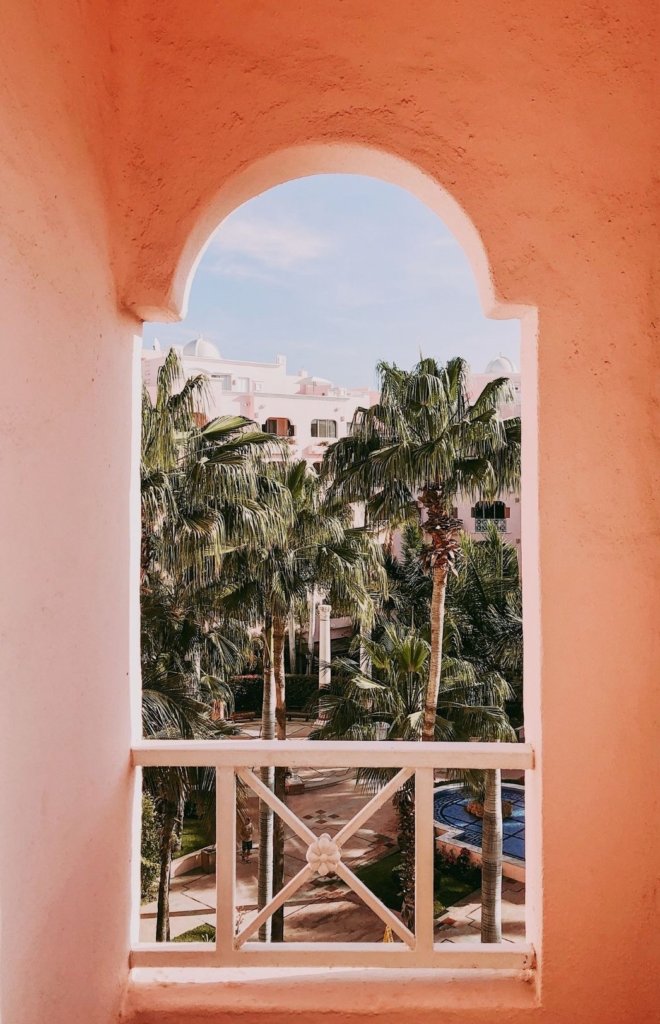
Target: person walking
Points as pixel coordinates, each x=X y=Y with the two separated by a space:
x=246 y=839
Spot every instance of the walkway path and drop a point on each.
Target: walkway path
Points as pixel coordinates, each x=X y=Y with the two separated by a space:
x=326 y=910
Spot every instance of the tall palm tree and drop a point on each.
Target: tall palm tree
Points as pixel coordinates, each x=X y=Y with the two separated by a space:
x=391 y=706
x=410 y=586
x=183 y=660
x=483 y=608
x=203 y=488
x=203 y=492
x=413 y=454
x=319 y=549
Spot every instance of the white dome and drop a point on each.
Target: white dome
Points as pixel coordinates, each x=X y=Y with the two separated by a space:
x=200 y=348
x=501 y=365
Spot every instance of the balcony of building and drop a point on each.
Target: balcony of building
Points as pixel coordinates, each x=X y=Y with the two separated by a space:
x=129 y=131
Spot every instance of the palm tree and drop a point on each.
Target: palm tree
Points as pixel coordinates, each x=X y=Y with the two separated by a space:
x=203 y=488
x=203 y=492
x=410 y=586
x=413 y=454
x=484 y=603
x=183 y=659
x=319 y=548
x=391 y=706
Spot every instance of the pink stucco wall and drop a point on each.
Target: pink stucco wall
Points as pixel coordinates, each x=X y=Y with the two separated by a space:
x=127 y=131
x=66 y=407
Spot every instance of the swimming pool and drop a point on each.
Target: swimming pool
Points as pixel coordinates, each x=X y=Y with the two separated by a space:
x=462 y=828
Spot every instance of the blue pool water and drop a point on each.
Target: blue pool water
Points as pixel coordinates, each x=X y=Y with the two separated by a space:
x=449 y=804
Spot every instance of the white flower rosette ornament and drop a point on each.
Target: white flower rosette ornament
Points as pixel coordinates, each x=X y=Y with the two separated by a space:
x=323 y=855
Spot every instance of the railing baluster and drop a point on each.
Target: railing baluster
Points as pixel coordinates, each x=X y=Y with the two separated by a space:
x=225 y=861
x=424 y=854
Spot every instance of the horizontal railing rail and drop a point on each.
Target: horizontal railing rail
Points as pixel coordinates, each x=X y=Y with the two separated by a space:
x=330 y=753
x=235 y=759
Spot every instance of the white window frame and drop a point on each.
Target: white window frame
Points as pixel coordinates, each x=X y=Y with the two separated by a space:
x=316 y=423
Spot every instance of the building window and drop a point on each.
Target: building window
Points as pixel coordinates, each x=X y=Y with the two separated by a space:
x=242 y=384
x=485 y=512
x=324 y=428
x=279 y=426
x=223 y=379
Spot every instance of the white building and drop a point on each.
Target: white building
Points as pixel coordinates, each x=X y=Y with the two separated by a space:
x=311 y=412
x=505 y=512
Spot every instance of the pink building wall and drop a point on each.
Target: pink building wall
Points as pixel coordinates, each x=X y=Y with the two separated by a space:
x=512 y=524
x=128 y=130
x=65 y=518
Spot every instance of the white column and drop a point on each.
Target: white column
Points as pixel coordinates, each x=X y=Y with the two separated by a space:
x=325 y=653
x=312 y=628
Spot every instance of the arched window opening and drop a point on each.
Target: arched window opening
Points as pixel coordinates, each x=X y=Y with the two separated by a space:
x=324 y=612
x=280 y=426
x=486 y=513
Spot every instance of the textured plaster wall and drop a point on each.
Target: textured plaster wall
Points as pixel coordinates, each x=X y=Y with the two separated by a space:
x=539 y=120
x=127 y=132
x=65 y=410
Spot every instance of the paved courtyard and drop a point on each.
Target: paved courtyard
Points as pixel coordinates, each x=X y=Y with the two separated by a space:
x=326 y=909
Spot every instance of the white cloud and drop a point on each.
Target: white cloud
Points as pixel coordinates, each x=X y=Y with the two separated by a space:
x=275 y=245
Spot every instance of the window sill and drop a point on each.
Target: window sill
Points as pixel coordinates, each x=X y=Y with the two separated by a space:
x=197 y=995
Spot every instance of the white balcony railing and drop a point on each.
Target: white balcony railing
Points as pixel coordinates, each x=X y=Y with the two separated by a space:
x=234 y=759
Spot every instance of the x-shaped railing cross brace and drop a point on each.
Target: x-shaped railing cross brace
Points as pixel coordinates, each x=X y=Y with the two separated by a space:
x=340 y=869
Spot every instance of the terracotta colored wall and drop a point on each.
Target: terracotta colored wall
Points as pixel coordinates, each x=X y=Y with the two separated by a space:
x=537 y=118
x=65 y=408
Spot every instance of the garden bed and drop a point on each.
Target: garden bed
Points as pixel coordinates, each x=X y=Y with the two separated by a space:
x=451 y=880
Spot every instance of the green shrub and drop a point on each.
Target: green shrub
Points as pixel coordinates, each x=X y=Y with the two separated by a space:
x=149 y=850
x=202 y=933
x=457 y=865
x=301 y=692
x=451 y=880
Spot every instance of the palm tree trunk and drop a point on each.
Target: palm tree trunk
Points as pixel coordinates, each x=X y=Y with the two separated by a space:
x=405 y=807
x=491 y=858
x=279 y=630
x=435 y=661
x=365 y=660
x=265 y=868
x=170 y=813
x=442 y=527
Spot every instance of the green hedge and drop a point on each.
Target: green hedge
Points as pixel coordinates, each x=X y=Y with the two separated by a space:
x=301 y=692
x=150 y=850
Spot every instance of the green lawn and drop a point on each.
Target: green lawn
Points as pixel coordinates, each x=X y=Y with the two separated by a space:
x=197 y=832
x=202 y=933
x=450 y=883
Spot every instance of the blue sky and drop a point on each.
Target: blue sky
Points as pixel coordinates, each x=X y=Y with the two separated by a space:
x=336 y=272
